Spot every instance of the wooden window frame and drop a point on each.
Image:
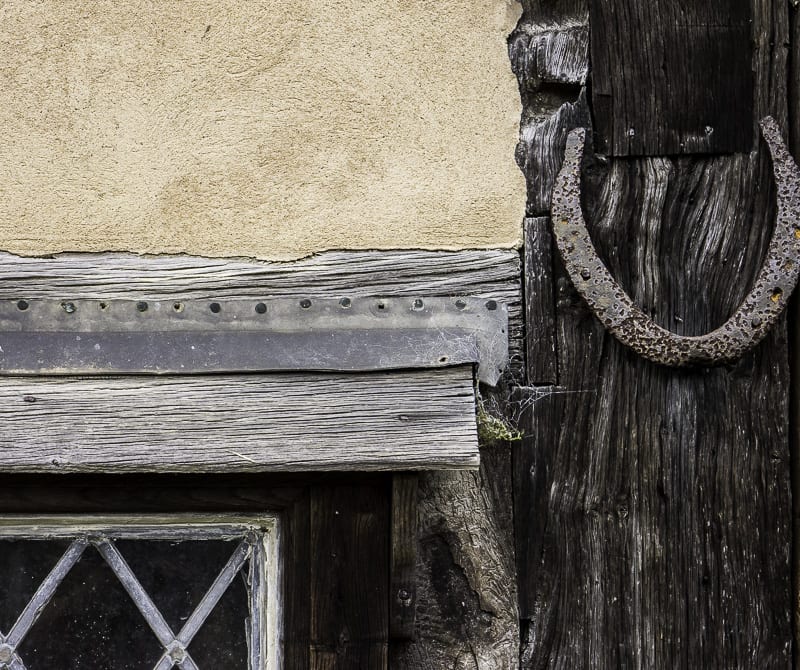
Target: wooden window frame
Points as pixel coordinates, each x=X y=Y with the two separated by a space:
x=335 y=543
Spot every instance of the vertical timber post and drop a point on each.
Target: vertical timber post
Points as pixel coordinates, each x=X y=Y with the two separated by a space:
x=653 y=506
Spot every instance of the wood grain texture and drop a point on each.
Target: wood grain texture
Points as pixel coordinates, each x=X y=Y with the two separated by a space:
x=467 y=615
x=546 y=121
x=239 y=423
x=491 y=274
x=350 y=577
x=403 y=556
x=693 y=60
x=547 y=55
x=540 y=313
x=475 y=527
x=297 y=559
x=555 y=12
x=794 y=330
x=653 y=505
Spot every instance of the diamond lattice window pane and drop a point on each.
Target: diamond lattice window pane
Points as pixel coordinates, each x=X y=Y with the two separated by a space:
x=91 y=594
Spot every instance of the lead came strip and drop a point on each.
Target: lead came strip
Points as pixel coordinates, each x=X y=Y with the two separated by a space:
x=9 y=643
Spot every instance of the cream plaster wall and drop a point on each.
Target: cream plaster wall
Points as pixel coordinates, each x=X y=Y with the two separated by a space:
x=266 y=128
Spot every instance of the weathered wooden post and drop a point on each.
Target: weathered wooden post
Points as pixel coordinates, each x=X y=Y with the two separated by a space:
x=653 y=503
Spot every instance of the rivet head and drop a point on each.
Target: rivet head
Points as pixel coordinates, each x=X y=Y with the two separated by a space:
x=491 y=305
x=141 y=306
x=305 y=303
x=418 y=304
x=215 y=307
x=177 y=653
x=460 y=304
x=345 y=302
x=404 y=597
x=261 y=308
x=22 y=305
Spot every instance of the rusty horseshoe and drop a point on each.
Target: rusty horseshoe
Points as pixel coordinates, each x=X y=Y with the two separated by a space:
x=614 y=308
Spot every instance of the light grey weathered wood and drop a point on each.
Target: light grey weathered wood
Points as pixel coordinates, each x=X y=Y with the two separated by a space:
x=490 y=274
x=239 y=423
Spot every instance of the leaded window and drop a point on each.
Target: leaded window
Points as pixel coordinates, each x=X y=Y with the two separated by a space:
x=131 y=593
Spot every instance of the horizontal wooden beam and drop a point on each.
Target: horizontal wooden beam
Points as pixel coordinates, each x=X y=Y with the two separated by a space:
x=409 y=420
x=404 y=420
x=490 y=274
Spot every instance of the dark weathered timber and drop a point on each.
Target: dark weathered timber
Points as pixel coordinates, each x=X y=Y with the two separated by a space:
x=540 y=314
x=558 y=12
x=667 y=504
x=350 y=578
x=659 y=524
x=794 y=332
x=546 y=55
x=672 y=78
x=543 y=136
x=745 y=328
x=403 y=557
x=297 y=604
x=532 y=465
x=466 y=604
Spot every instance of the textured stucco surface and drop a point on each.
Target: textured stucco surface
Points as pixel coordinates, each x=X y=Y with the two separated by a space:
x=264 y=128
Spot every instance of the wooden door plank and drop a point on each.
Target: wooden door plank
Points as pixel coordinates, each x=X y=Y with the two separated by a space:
x=540 y=317
x=350 y=577
x=672 y=77
x=403 y=559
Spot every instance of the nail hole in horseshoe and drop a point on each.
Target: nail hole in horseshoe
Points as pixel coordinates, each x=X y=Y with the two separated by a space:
x=777 y=294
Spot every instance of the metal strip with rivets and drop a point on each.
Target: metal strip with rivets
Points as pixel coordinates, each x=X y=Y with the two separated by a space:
x=81 y=337
x=614 y=308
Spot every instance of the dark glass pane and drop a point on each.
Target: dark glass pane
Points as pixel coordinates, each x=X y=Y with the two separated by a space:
x=222 y=641
x=23 y=567
x=91 y=624
x=176 y=574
